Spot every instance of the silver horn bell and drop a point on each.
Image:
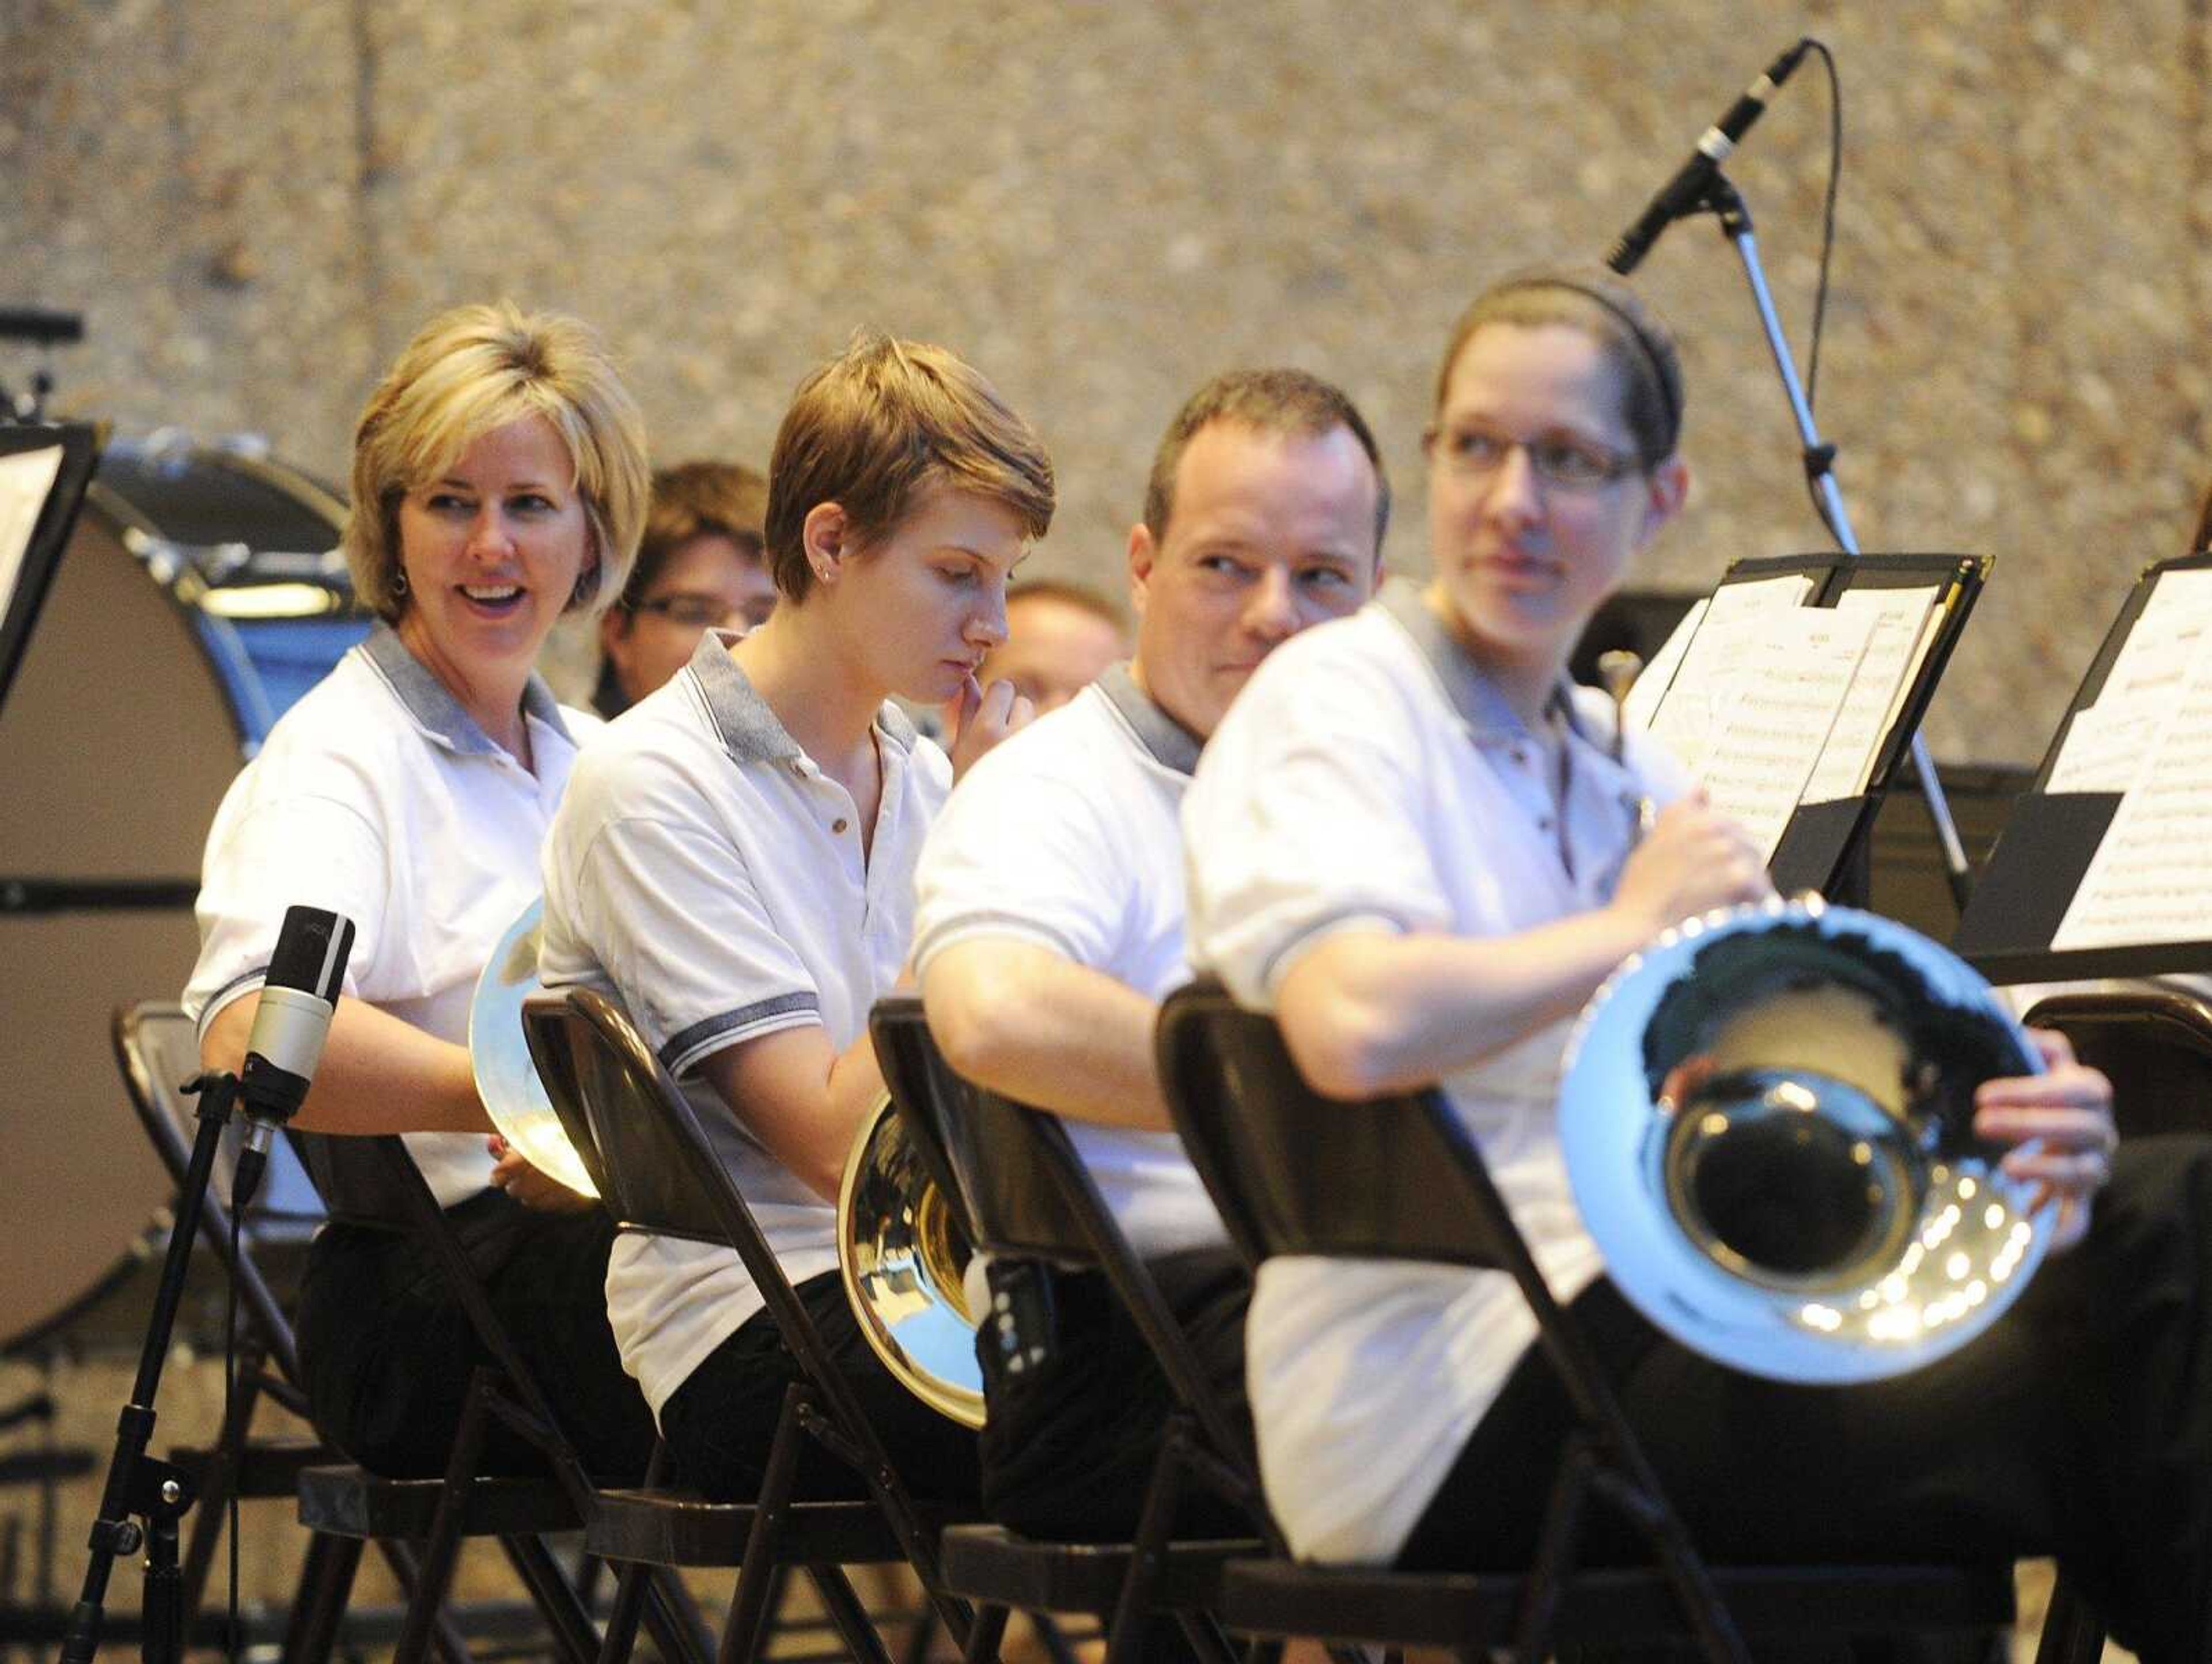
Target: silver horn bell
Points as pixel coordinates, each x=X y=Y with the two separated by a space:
x=1768 y=1118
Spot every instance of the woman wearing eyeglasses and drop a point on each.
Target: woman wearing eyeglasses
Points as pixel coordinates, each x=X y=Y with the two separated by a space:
x=1410 y=838
x=701 y=566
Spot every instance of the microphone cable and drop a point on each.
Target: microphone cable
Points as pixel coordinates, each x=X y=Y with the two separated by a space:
x=1820 y=47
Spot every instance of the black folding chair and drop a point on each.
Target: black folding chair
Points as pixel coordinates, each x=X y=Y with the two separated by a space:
x=373 y=1181
x=2152 y=1039
x=661 y=1174
x=157 y=1048
x=1023 y=1193
x=1399 y=1177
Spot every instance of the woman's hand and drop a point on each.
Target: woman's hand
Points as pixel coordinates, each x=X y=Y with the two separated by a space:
x=1694 y=860
x=2060 y=1125
x=986 y=716
x=532 y=1189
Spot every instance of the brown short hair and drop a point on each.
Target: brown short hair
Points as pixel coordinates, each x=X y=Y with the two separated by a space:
x=1289 y=403
x=697 y=499
x=466 y=372
x=881 y=420
x=1634 y=339
x=1081 y=597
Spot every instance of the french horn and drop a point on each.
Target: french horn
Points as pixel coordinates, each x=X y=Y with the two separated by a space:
x=903 y=1257
x=1767 y=1121
x=506 y=1078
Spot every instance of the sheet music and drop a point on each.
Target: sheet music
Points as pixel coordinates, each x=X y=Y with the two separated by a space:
x=2149 y=736
x=2109 y=745
x=1729 y=636
x=27 y=479
x=2151 y=877
x=1776 y=715
x=1902 y=630
x=1643 y=701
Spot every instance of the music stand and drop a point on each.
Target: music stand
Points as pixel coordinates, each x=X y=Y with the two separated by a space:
x=44 y=470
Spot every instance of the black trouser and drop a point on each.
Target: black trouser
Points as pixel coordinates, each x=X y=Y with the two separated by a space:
x=1070 y=1443
x=2080 y=1424
x=720 y=1421
x=388 y=1351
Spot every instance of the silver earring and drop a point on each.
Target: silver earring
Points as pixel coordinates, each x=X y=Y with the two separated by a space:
x=399 y=583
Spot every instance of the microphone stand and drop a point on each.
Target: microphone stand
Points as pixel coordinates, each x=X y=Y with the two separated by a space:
x=138 y=1485
x=1721 y=198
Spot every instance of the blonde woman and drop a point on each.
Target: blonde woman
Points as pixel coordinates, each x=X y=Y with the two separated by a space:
x=499 y=483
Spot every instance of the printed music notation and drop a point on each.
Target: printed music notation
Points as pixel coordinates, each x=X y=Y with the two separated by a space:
x=1769 y=703
x=27 y=478
x=2149 y=737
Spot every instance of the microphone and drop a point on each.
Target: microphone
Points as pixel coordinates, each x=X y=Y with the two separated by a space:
x=1681 y=195
x=297 y=1001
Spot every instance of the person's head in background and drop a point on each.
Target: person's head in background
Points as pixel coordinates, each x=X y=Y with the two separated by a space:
x=703 y=564
x=1060 y=638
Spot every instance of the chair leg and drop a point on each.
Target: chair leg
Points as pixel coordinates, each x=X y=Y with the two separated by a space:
x=325 y=1586
x=741 y=1638
x=218 y=1480
x=620 y=1635
x=984 y=1635
x=1125 y=1636
x=2072 y=1632
x=553 y=1594
x=847 y=1614
x=445 y=1634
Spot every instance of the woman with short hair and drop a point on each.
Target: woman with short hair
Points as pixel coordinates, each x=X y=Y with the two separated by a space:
x=499 y=483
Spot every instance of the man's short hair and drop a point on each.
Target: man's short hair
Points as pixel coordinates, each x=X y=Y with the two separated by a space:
x=881 y=421
x=1289 y=403
x=698 y=500
x=1081 y=597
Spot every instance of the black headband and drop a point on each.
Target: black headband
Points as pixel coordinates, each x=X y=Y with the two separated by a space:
x=1644 y=344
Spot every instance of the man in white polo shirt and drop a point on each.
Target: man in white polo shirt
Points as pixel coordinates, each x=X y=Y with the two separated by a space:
x=1049 y=913
x=735 y=862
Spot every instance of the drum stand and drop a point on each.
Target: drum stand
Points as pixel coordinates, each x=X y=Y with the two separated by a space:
x=1721 y=198
x=139 y=1484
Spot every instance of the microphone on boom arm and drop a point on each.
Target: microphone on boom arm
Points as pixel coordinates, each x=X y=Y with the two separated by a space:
x=297 y=1002
x=1685 y=193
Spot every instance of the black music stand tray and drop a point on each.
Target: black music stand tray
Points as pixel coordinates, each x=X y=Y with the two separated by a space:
x=2046 y=848
x=1823 y=841
x=22 y=594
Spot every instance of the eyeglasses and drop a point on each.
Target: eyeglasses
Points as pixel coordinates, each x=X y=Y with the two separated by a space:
x=1572 y=464
x=695 y=612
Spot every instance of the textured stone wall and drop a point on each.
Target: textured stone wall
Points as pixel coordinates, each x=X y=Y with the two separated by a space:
x=257 y=201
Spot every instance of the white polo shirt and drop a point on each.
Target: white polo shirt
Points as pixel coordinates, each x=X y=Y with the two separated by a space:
x=378 y=797
x=1370 y=776
x=705 y=872
x=1066 y=835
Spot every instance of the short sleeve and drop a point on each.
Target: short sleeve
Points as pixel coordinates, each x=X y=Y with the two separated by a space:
x=676 y=923
x=1307 y=815
x=273 y=848
x=1021 y=852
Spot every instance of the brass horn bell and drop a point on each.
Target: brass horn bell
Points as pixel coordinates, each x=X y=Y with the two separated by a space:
x=1768 y=1119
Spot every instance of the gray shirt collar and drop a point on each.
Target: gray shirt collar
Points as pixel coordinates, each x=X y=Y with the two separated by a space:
x=750 y=730
x=432 y=704
x=1172 y=746
x=1472 y=693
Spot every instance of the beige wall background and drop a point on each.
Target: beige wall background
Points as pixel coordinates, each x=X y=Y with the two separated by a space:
x=255 y=204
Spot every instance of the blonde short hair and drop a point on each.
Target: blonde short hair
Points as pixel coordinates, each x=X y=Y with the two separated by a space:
x=471 y=370
x=881 y=421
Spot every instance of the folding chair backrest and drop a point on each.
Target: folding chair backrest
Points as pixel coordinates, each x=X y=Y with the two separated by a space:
x=157 y=1046
x=657 y=1153
x=651 y=1181
x=2153 y=1040
x=995 y=1154
x=545 y=1029
x=1296 y=1173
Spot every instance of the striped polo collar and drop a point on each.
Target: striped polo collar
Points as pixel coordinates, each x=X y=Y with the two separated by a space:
x=432 y=704
x=1172 y=744
x=749 y=730
x=1473 y=694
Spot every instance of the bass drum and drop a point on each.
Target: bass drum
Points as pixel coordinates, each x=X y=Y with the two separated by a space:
x=200 y=594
